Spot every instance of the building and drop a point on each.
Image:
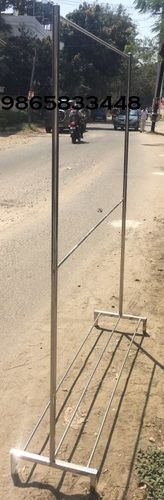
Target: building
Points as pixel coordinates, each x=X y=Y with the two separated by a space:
x=29 y=22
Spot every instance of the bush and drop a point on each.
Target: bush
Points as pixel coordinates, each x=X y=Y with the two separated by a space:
x=150 y=468
x=9 y=119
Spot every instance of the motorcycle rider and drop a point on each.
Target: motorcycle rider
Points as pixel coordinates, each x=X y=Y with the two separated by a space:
x=74 y=115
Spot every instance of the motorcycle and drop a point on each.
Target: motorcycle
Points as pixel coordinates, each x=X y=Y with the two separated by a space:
x=75 y=132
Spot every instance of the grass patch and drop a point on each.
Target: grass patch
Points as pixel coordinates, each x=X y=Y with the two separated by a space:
x=12 y=119
x=150 y=469
x=18 y=120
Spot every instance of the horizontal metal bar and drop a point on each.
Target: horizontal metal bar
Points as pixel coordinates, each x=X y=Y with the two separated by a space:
x=88 y=234
x=59 y=385
x=112 y=396
x=116 y=315
x=94 y=37
x=85 y=388
x=79 y=469
x=16 y=454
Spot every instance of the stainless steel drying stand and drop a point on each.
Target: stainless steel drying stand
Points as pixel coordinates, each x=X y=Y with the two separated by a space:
x=52 y=460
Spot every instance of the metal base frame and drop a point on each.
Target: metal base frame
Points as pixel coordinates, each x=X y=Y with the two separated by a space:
x=16 y=455
x=66 y=466
x=99 y=312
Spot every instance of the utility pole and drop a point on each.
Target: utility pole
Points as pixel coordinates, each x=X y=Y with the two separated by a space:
x=157 y=96
x=160 y=74
x=31 y=83
x=33 y=7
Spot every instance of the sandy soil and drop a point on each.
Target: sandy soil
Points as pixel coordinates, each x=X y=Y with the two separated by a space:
x=135 y=418
x=9 y=141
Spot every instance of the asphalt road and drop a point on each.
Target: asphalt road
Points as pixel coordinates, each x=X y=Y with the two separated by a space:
x=90 y=184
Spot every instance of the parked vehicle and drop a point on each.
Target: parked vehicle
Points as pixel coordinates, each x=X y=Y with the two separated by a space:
x=98 y=115
x=63 y=121
x=120 y=119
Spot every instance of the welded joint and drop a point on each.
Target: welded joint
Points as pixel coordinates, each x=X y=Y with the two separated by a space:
x=96 y=318
x=144 y=322
x=13 y=465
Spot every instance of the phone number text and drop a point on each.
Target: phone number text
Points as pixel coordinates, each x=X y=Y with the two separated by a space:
x=49 y=103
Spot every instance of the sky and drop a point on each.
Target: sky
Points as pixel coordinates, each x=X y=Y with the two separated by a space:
x=143 y=21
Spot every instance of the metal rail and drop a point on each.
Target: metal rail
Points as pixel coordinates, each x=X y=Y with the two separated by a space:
x=124 y=205
x=112 y=396
x=94 y=37
x=54 y=230
x=89 y=233
x=85 y=388
x=60 y=383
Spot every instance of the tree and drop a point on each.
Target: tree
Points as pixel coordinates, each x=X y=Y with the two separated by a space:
x=155 y=7
x=18 y=69
x=144 y=67
x=86 y=67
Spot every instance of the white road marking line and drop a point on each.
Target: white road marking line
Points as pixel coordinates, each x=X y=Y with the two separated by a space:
x=158 y=173
x=129 y=223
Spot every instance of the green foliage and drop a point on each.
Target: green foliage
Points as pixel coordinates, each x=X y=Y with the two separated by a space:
x=86 y=67
x=18 y=120
x=17 y=57
x=150 y=469
x=144 y=68
x=143 y=83
x=9 y=119
x=144 y=51
x=5 y=29
x=4 y=4
x=155 y=7
x=43 y=69
x=18 y=68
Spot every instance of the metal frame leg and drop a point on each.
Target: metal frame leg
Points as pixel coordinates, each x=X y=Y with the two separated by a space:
x=54 y=237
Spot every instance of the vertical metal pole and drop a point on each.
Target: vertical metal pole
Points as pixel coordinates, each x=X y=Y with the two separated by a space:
x=31 y=83
x=54 y=234
x=124 y=203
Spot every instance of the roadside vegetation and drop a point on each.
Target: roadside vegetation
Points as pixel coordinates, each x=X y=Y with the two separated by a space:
x=150 y=469
x=12 y=120
x=18 y=120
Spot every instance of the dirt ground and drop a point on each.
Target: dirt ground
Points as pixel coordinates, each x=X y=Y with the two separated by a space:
x=10 y=140
x=136 y=415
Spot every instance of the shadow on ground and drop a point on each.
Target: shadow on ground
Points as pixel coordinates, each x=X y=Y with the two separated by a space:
x=57 y=492
x=159 y=133
x=57 y=495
